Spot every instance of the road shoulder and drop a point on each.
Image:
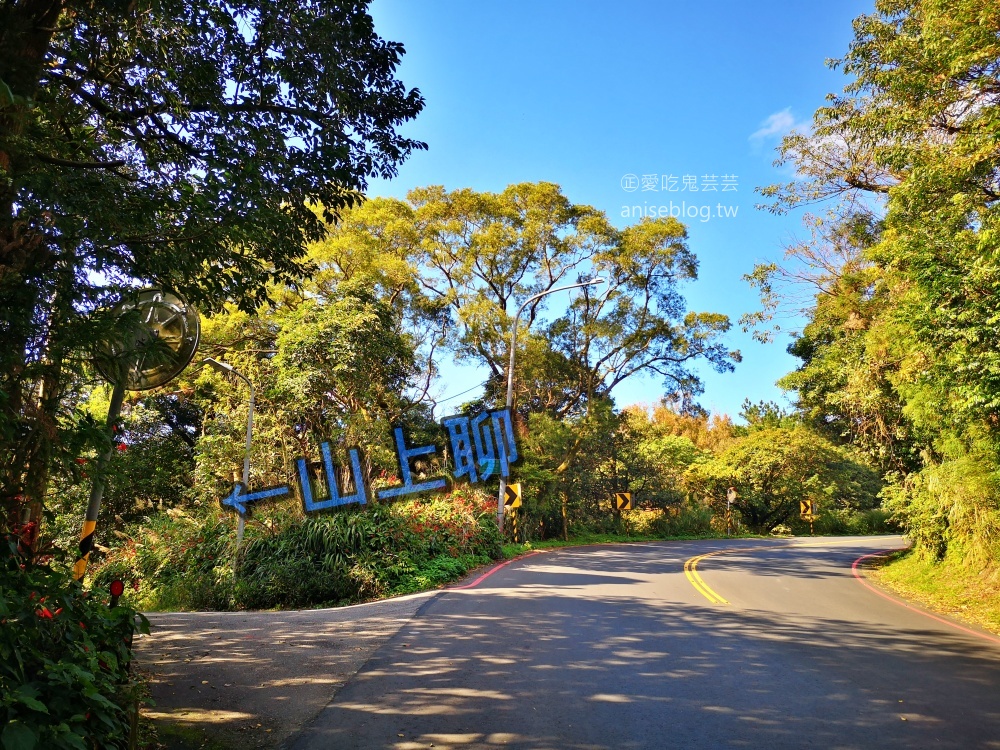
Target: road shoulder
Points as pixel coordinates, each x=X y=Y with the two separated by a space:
x=252 y=679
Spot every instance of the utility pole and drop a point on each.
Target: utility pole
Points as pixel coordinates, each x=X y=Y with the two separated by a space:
x=510 y=372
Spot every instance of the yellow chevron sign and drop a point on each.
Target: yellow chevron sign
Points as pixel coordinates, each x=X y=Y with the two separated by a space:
x=808 y=509
x=512 y=496
x=623 y=501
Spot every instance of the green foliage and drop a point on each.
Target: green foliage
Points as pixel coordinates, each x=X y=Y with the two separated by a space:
x=899 y=356
x=64 y=655
x=358 y=553
x=175 y=561
x=151 y=468
x=849 y=522
x=765 y=415
x=179 y=144
x=952 y=508
x=481 y=255
x=773 y=469
x=689 y=519
x=655 y=460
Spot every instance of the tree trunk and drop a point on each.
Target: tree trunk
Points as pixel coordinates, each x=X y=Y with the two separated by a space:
x=26 y=31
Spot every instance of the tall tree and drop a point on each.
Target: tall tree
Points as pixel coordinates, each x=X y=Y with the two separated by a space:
x=913 y=139
x=485 y=254
x=482 y=255
x=179 y=143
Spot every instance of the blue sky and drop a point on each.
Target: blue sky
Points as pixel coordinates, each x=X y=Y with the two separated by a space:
x=585 y=93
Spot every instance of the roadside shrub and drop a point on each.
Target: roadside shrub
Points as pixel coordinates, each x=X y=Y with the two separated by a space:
x=178 y=561
x=175 y=561
x=848 y=523
x=951 y=509
x=363 y=552
x=684 y=520
x=64 y=657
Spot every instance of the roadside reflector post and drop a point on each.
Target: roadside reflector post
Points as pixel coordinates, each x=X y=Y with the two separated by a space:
x=97 y=489
x=808 y=510
x=511 y=502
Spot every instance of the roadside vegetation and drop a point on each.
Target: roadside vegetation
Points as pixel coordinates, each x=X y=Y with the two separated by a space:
x=900 y=279
x=341 y=310
x=677 y=467
x=957 y=590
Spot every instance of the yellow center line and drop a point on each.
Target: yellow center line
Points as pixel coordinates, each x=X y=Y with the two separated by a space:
x=691 y=571
x=691 y=564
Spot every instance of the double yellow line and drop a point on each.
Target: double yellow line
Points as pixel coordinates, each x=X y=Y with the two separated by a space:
x=691 y=565
x=691 y=571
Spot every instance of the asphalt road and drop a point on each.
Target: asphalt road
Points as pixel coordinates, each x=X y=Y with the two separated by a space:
x=252 y=679
x=616 y=647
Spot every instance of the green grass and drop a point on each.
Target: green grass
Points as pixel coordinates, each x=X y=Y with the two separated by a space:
x=437 y=572
x=948 y=587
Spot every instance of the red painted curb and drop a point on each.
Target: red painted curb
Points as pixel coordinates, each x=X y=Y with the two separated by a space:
x=861 y=579
x=492 y=570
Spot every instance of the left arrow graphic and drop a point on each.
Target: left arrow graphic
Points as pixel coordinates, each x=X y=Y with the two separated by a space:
x=239 y=498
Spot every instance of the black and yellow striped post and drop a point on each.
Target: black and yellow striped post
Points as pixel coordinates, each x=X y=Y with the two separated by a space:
x=808 y=510
x=97 y=490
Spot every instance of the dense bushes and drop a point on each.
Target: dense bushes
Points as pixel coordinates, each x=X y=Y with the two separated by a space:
x=366 y=552
x=64 y=658
x=848 y=522
x=358 y=553
x=689 y=519
x=951 y=510
x=175 y=561
x=774 y=469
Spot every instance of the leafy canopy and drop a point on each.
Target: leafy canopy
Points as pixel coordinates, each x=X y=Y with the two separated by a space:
x=175 y=143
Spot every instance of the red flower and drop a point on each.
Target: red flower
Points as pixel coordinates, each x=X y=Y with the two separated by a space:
x=59 y=611
x=44 y=612
x=81 y=461
x=122 y=447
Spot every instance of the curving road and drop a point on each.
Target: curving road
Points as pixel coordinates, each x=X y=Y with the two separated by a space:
x=765 y=644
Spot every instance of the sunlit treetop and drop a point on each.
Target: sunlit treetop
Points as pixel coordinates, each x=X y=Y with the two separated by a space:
x=181 y=142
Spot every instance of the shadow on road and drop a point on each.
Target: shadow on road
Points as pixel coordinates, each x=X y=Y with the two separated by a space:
x=249 y=679
x=562 y=661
